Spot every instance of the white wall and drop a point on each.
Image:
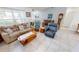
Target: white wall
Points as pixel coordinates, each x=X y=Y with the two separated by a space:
x=34 y=13
x=71 y=19
x=43 y=14
x=55 y=11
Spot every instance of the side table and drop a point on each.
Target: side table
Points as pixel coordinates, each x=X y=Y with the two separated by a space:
x=42 y=29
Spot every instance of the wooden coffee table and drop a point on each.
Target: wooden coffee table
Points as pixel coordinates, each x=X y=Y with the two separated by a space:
x=27 y=37
x=42 y=29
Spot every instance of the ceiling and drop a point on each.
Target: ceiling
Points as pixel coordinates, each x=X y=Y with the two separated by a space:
x=29 y=8
x=39 y=8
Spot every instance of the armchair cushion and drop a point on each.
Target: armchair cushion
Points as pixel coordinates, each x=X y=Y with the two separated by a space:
x=50 y=30
x=53 y=28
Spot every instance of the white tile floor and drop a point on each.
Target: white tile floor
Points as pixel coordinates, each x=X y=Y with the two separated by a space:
x=64 y=41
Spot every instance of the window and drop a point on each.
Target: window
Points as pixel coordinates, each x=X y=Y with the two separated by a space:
x=19 y=16
x=16 y=15
x=2 y=15
x=23 y=15
x=8 y=16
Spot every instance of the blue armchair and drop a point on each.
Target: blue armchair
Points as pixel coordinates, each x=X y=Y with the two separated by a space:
x=51 y=30
x=37 y=25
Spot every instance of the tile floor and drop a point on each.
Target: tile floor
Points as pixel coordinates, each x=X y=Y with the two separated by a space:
x=64 y=41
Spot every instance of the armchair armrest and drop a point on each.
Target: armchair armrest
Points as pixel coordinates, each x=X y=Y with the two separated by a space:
x=46 y=28
x=56 y=29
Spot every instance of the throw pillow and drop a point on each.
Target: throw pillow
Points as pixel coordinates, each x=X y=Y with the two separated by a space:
x=8 y=30
x=21 y=27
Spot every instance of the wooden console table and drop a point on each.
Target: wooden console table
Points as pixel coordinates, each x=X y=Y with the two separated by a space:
x=42 y=29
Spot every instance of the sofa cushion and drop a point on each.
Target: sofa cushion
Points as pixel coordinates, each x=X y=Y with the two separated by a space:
x=15 y=34
x=21 y=27
x=3 y=29
x=25 y=30
x=8 y=30
x=15 y=28
x=24 y=25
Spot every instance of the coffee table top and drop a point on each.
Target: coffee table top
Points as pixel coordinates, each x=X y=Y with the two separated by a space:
x=24 y=36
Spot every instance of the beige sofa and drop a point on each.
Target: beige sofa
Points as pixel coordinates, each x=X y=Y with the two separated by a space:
x=11 y=33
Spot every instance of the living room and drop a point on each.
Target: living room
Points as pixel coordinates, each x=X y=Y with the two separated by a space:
x=26 y=29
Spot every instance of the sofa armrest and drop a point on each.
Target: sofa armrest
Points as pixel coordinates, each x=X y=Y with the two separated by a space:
x=5 y=37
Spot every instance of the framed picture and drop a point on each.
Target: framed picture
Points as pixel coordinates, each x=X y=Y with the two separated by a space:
x=28 y=14
x=50 y=16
